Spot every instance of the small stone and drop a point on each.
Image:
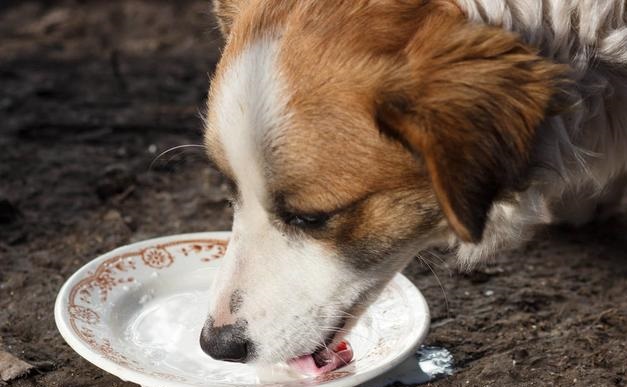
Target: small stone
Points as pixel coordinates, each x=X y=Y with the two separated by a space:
x=11 y=367
x=112 y=215
x=488 y=293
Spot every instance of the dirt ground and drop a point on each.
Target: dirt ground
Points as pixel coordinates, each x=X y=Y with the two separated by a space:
x=91 y=91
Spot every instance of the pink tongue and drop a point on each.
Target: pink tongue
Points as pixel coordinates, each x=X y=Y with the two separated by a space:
x=331 y=360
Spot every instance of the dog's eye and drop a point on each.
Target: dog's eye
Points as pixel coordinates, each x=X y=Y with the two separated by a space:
x=308 y=221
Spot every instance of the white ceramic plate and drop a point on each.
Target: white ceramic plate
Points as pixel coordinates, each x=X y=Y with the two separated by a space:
x=137 y=311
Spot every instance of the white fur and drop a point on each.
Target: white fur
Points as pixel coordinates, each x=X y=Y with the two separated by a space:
x=584 y=151
x=292 y=287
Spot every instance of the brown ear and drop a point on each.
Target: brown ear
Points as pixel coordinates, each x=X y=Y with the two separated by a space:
x=471 y=101
x=225 y=11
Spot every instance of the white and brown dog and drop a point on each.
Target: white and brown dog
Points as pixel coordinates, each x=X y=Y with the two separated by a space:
x=357 y=133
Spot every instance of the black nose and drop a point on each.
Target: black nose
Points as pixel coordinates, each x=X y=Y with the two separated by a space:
x=227 y=342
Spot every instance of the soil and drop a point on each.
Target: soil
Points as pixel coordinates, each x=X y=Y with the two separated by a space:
x=92 y=91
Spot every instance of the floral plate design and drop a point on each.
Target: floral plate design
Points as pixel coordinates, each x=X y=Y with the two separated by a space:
x=137 y=311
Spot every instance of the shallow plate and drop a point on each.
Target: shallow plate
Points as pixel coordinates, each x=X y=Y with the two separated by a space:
x=137 y=311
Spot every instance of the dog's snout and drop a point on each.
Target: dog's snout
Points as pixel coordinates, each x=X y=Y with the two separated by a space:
x=226 y=342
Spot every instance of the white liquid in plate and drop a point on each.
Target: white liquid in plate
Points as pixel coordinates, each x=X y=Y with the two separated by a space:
x=161 y=330
x=164 y=336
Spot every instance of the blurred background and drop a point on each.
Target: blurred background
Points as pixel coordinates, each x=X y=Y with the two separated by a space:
x=92 y=92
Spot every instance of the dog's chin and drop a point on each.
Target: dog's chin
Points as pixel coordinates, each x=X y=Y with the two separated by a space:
x=337 y=351
x=324 y=359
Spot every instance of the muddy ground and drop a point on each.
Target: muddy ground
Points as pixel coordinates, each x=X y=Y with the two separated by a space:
x=91 y=91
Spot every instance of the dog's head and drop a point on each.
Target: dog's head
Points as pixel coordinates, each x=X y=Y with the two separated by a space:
x=354 y=135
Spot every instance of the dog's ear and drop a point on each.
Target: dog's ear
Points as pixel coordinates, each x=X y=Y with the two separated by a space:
x=225 y=11
x=469 y=103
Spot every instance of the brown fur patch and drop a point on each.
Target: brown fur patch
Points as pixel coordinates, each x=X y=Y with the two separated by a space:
x=465 y=99
x=335 y=60
x=226 y=11
x=472 y=99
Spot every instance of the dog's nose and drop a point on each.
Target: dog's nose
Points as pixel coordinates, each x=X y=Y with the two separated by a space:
x=227 y=342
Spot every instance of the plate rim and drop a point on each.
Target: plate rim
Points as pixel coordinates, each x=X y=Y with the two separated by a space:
x=143 y=379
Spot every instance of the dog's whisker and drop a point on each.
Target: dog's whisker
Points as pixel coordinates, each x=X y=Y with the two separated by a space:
x=174 y=156
x=172 y=149
x=436 y=256
x=347 y=331
x=437 y=278
x=444 y=263
x=338 y=317
x=346 y=313
x=340 y=330
x=436 y=264
x=318 y=333
x=341 y=305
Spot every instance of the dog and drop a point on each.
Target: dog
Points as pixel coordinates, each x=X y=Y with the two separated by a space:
x=357 y=133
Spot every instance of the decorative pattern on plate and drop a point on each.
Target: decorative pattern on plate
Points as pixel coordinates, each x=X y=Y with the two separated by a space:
x=211 y=252
x=114 y=273
x=157 y=257
x=95 y=299
x=83 y=314
x=107 y=277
